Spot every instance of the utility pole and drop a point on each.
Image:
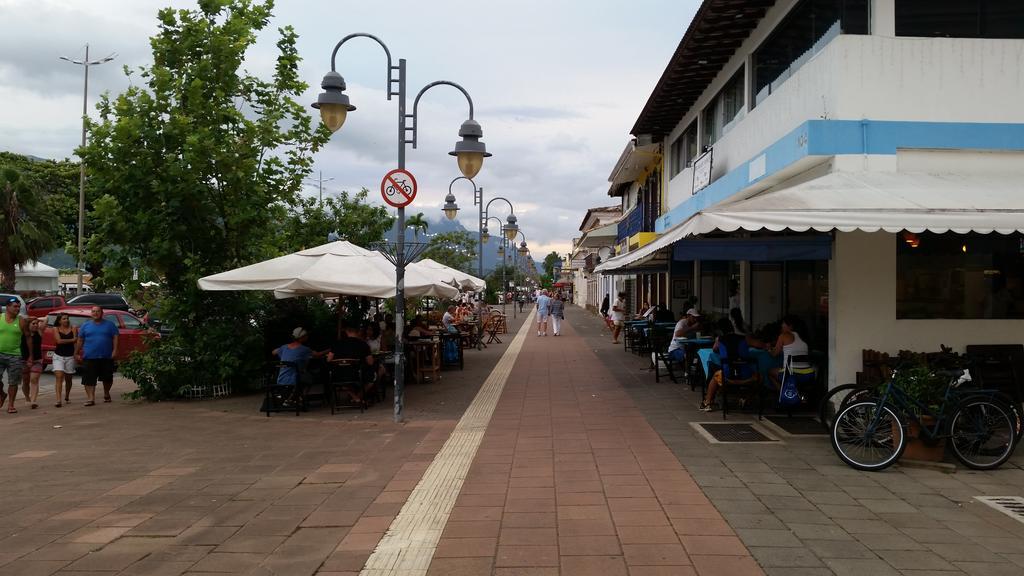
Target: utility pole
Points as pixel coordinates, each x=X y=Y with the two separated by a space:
x=84 y=63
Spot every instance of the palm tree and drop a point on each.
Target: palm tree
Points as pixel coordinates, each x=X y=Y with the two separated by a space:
x=418 y=224
x=26 y=230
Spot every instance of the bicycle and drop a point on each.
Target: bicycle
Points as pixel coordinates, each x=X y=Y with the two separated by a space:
x=391 y=190
x=842 y=396
x=869 y=434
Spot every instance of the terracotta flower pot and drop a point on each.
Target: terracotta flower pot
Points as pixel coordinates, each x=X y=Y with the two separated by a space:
x=919 y=446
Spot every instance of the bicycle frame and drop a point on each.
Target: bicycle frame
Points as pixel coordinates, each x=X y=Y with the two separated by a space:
x=911 y=408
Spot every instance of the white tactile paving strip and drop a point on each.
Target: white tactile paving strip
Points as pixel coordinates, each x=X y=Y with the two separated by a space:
x=409 y=544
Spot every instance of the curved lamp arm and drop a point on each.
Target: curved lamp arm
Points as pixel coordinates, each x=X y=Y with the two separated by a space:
x=456 y=179
x=416 y=103
x=488 y=206
x=391 y=68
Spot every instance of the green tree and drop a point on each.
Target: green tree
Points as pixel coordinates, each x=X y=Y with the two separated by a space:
x=57 y=181
x=418 y=223
x=455 y=249
x=26 y=229
x=196 y=166
x=350 y=215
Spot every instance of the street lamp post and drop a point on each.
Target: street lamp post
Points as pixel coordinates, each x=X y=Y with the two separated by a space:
x=451 y=209
x=86 y=64
x=470 y=152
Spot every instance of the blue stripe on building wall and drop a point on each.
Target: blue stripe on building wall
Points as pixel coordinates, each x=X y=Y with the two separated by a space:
x=838 y=137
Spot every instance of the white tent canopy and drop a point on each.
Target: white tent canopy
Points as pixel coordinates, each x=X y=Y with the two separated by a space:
x=455 y=277
x=868 y=201
x=335 y=268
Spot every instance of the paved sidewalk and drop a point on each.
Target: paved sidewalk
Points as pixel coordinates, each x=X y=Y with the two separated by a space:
x=570 y=479
x=802 y=512
x=209 y=487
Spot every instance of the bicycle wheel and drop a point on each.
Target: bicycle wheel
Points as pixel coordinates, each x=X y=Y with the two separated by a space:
x=1007 y=401
x=867 y=439
x=838 y=398
x=982 y=433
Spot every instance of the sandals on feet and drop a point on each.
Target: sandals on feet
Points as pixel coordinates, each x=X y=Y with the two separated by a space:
x=12 y=410
x=57 y=405
x=34 y=405
x=89 y=403
x=107 y=399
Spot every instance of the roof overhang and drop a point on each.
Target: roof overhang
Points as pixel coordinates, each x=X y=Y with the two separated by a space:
x=715 y=33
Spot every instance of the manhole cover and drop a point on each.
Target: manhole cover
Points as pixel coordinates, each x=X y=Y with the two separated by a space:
x=1012 y=506
x=798 y=424
x=734 y=432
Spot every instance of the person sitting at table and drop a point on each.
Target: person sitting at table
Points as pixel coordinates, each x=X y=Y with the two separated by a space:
x=294 y=357
x=688 y=325
x=373 y=337
x=788 y=344
x=448 y=321
x=663 y=314
x=351 y=346
x=417 y=328
x=647 y=311
x=730 y=345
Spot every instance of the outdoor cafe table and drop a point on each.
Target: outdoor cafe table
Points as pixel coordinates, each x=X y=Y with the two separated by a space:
x=764 y=360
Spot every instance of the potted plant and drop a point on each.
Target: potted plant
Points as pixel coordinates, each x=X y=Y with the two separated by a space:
x=921 y=384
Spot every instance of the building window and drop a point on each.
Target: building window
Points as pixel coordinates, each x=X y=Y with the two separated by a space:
x=724 y=110
x=806 y=30
x=684 y=150
x=960 y=276
x=960 y=18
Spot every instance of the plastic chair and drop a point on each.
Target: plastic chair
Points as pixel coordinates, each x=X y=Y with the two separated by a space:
x=739 y=373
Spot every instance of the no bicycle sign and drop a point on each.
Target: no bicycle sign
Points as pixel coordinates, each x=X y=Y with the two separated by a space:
x=398 y=188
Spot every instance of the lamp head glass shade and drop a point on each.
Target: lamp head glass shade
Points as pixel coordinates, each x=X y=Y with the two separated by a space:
x=523 y=250
x=484 y=236
x=511 y=229
x=501 y=250
x=470 y=151
x=451 y=209
x=333 y=102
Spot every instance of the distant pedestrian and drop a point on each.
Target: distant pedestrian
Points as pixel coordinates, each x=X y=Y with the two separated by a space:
x=64 y=336
x=618 y=316
x=34 y=364
x=12 y=327
x=557 y=314
x=543 y=310
x=605 y=307
x=96 y=348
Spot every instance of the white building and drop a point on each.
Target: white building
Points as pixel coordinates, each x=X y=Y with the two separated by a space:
x=597 y=241
x=857 y=163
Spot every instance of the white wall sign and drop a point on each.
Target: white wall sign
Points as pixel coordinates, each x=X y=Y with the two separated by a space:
x=702 y=170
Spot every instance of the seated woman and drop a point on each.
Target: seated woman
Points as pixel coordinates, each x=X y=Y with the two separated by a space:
x=294 y=357
x=730 y=345
x=789 y=344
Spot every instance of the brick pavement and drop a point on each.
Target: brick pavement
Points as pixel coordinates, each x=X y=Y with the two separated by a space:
x=214 y=486
x=570 y=479
x=802 y=512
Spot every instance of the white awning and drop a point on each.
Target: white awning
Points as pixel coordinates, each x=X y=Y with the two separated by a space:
x=872 y=201
x=869 y=201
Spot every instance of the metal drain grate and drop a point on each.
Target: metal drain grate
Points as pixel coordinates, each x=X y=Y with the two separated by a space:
x=734 y=432
x=1012 y=506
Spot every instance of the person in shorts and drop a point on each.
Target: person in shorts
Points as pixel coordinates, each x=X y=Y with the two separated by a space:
x=12 y=328
x=618 y=316
x=96 y=348
x=543 y=310
x=64 y=336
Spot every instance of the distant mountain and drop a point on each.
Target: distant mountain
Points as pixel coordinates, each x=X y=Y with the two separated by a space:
x=442 y=224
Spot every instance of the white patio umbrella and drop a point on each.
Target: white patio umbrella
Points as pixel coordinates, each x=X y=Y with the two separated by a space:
x=335 y=268
x=457 y=277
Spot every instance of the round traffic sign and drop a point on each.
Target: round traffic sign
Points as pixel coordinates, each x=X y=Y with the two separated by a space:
x=398 y=188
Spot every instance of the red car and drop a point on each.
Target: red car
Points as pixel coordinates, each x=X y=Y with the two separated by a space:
x=43 y=305
x=133 y=334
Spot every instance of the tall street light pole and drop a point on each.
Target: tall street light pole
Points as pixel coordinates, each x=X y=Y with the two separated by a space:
x=470 y=152
x=84 y=63
x=509 y=229
x=320 y=183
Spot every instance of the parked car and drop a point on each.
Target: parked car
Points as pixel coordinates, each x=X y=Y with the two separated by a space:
x=133 y=334
x=105 y=301
x=3 y=304
x=43 y=305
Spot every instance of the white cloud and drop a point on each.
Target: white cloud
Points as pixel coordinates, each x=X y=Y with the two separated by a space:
x=557 y=86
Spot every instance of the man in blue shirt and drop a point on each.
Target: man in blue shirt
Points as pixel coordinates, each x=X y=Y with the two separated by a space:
x=97 y=348
x=543 y=309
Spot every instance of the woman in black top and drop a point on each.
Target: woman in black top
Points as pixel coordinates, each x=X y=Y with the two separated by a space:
x=33 y=344
x=64 y=336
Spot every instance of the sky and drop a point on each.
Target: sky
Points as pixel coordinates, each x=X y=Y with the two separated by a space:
x=557 y=85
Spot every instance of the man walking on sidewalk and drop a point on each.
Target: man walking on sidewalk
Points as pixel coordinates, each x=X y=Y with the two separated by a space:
x=543 y=309
x=12 y=329
x=97 y=346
